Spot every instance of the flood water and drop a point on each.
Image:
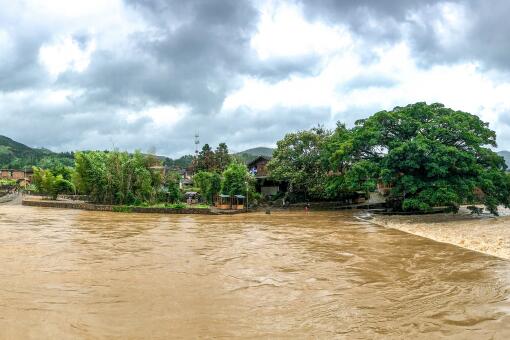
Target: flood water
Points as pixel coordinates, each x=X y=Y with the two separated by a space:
x=78 y=274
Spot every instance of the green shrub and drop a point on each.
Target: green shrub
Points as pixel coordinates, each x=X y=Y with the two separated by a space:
x=122 y=208
x=176 y=206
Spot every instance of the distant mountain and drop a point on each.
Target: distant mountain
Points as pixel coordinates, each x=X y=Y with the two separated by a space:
x=16 y=155
x=181 y=162
x=251 y=154
x=506 y=156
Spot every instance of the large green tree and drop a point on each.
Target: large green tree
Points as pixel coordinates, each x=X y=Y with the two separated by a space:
x=206 y=160
x=237 y=180
x=222 y=157
x=298 y=160
x=212 y=161
x=429 y=154
x=209 y=184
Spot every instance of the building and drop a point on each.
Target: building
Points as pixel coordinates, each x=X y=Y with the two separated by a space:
x=258 y=166
x=16 y=174
x=22 y=177
x=265 y=185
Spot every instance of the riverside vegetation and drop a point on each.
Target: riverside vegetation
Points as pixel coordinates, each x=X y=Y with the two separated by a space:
x=427 y=155
x=124 y=179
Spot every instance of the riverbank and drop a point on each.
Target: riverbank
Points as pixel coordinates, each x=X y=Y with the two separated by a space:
x=486 y=234
x=69 y=204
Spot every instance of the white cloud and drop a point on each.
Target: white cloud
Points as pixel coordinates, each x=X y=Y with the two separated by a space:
x=283 y=32
x=162 y=116
x=66 y=54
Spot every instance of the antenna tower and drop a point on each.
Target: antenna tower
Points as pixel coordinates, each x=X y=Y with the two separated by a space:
x=197 y=142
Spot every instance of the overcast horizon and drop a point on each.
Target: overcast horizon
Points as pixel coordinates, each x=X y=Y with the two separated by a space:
x=142 y=74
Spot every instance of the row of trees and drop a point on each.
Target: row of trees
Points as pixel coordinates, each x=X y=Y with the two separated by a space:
x=110 y=178
x=124 y=178
x=212 y=160
x=429 y=156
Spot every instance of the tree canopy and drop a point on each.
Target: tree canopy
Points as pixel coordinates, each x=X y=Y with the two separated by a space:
x=429 y=155
x=117 y=177
x=51 y=184
x=305 y=159
x=297 y=160
x=237 y=180
x=213 y=161
x=209 y=184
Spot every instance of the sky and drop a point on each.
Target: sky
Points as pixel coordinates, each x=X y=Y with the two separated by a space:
x=149 y=74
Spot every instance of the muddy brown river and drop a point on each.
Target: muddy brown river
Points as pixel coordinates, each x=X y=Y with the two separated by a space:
x=76 y=274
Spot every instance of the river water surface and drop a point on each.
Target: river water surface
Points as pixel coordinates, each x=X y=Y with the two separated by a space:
x=79 y=274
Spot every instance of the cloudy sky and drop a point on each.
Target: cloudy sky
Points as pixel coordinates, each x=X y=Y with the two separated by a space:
x=147 y=74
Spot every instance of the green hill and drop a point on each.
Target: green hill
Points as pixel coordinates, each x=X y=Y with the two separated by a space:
x=251 y=154
x=15 y=155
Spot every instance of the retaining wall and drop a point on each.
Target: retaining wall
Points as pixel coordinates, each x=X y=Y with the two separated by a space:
x=114 y=208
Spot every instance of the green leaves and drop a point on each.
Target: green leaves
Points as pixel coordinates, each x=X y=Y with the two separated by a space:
x=430 y=155
x=209 y=184
x=50 y=184
x=116 y=177
x=236 y=180
x=300 y=160
x=213 y=161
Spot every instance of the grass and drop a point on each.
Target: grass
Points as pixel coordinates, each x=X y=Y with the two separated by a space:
x=122 y=208
x=176 y=206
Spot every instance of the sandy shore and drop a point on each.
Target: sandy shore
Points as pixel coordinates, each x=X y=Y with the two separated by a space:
x=486 y=234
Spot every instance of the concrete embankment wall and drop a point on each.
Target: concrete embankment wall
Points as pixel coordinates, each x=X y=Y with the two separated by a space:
x=114 y=208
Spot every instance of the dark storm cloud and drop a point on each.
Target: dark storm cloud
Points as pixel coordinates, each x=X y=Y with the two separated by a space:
x=370 y=19
x=192 y=53
x=19 y=67
x=195 y=53
x=484 y=37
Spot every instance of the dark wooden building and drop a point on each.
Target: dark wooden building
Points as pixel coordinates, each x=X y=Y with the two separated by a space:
x=265 y=185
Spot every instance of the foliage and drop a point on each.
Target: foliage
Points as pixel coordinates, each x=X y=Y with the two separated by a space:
x=179 y=205
x=117 y=177
x=213 y=161
x=237 y=180
x=14 y=155
x=209 y=184
x=170 y=191
x=222 y=157
x=201 y=206
x=122 y=209
x=205 y=160
x=5 y=182
x=430 y=155
x=50 y=184
x=298 y=160
x=181 y=162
